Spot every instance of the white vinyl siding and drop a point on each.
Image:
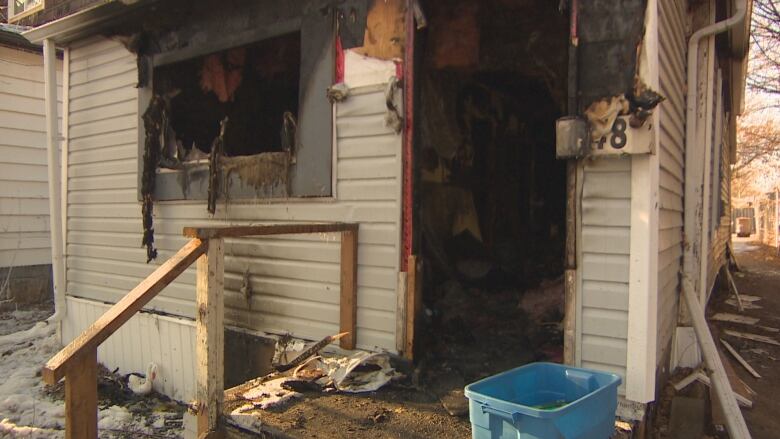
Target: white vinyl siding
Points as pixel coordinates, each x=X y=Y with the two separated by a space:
x=24 y=190
x=295 y=279
x=671 y=113
x=169 y=342
x=603 y=264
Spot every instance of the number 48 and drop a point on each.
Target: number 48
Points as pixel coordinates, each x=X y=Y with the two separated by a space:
x=618 y=139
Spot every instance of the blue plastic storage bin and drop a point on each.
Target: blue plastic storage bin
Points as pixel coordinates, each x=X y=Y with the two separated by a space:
x=544 y=401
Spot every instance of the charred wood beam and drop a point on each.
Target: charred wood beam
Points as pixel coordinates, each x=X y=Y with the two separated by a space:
x=214 y=157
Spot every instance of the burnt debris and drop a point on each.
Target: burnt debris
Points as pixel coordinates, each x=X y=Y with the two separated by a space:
x=153 y=118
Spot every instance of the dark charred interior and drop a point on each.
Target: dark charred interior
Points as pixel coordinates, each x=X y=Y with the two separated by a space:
x=256 y=87
x=492 y=81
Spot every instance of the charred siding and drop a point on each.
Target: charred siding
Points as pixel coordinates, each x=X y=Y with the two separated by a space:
x=672 y=42
x=609 y=33
x=294 y=278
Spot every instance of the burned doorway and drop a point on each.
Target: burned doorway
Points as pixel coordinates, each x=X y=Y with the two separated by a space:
x=491 y=80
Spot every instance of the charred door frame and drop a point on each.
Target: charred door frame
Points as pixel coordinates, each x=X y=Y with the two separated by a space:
x=410 y=288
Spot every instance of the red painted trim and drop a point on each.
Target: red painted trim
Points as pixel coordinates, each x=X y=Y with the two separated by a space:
x=339 y=61
x=408 y=156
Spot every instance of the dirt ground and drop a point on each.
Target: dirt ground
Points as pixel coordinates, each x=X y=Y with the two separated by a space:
x=760 y=276
x=391 y=412
x=428 y=401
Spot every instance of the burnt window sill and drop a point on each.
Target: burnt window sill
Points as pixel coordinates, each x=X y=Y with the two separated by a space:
x=258 y=176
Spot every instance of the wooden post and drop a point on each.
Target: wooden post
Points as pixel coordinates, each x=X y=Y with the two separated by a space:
x=570 y=274
x=413 y=303
x=210 y=333
x=569 y=319
x=81 y=397
x=348 y=302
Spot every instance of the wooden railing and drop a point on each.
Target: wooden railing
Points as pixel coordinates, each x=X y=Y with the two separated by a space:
x=77 y=362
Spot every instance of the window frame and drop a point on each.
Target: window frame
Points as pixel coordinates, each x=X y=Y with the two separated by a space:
x=14 y=16
x=168 y=187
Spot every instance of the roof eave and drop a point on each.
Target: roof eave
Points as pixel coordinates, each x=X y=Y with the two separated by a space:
x=15 y=40
x=84 y=23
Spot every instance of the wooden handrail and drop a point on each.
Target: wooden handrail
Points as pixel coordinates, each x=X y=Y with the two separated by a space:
x=349 y=239
x=269 y=229
x=123 y=310
x=77 y=362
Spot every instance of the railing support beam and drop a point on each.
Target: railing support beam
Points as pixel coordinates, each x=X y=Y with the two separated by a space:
x=210 y=337
x=348 y=301
x=81 y=397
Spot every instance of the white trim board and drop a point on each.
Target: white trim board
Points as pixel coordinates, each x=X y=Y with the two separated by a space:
x=643 y=264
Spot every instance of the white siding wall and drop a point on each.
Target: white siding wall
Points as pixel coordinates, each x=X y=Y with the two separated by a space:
x=672 y=39
x=169 y=342
x=24 y=205
x=294 y=278
x=603 y=261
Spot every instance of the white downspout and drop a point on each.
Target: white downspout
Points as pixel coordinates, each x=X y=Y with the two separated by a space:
x=53 y=149
x=735 y=423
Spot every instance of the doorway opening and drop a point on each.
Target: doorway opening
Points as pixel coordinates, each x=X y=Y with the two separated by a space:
x=492 y=81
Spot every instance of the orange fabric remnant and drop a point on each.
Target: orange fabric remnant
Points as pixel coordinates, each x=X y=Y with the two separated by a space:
x=222 y=73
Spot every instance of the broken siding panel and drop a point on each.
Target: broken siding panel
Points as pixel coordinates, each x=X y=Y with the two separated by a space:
x=604 y=264
x=24 y=205
x=294 y=278
x=671 y=114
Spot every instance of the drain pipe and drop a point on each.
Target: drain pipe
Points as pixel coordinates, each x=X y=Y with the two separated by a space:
x=735 y=423
x=53 y=149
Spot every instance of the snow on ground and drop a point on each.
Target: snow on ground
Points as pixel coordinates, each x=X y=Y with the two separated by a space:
x=19 y=320
x=27 y=410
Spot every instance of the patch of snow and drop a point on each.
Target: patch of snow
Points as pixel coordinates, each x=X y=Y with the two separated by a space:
x=270 y=393
x=41 y=329
x=20 y=320
x=114 y=418
x=27 y=411
x=24 y=406
x=9 y=429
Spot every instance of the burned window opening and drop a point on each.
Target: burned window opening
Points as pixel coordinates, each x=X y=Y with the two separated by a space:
x=255 y=86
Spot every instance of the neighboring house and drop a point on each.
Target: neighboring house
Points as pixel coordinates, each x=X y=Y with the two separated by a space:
x=767 y=218
x=454 y=164
x=25 y=249
x=746 y=211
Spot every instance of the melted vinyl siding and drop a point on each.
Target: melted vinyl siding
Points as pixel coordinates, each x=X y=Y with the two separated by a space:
x=295 y=279
x=604 y=259
x=24 y=191
x=671 y=28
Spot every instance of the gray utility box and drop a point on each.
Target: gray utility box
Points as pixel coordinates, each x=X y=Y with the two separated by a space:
x=571 y=137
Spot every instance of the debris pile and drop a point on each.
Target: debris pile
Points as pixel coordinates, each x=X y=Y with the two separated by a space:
x=309 y=371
